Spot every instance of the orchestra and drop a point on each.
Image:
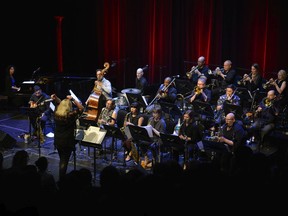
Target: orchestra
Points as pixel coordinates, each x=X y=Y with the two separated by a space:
x=227 y=94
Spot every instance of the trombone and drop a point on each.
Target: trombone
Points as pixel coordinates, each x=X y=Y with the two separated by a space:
x=158 y=95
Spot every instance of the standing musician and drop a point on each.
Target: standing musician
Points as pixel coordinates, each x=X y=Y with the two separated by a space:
x=200 y=92
x=103 y=87
x=39 y=101
x=230 y=98
x=265 y=117
x=66 y=115
x=101 y=92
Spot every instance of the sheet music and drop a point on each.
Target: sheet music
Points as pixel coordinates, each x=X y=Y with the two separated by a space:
x=28 y=82
x=94 y=135
x=149 y=129
x=74 y=96
x=52 y=106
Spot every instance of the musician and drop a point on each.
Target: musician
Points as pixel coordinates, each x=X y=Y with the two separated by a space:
x=281 y=89
x=108 y=114
x=229 y=98
x=265 y=118
x=225 y=76
x=190 y=133
x=201 y=70
x=253 y=81
x=10 y=83
x=65 y=119
x=232 y=133
x=200 y=92
x=141 y=82
x=132 y=118
x=102 y=87
x=159 y=126
x=39 y=102
x=167 y=91
x=11 y=87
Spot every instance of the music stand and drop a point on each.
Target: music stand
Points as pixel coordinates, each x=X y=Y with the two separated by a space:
x=139 y=134
x=203 y=108
x=171 y=109
x=115 y=133
x=93 y=137
x=214 y=147
x=173 y=141
x=34 y=113
x=183 y=86
x=236 y=109
x=136 y=98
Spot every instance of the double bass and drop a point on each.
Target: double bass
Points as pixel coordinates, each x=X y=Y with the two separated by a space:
x=92 y=110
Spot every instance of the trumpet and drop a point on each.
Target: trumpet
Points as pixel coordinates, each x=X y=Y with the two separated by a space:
x=268 y=84
x=241 y=82
x=216 y=71
x=192 y=71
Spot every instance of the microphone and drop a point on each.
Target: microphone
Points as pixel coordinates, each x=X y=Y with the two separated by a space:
x=36 y=70
x=113 y=64
x=145 y=68
x=176 y=76
x=256 y=90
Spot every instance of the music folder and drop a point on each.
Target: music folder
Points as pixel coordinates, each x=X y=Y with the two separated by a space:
x=94 y=135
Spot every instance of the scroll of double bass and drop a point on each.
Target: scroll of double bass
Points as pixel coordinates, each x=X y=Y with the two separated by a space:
x=93 y=100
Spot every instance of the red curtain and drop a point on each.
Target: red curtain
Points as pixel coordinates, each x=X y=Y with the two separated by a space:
x=169 y=36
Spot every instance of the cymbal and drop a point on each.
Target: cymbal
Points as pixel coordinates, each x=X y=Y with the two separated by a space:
x=131 y=90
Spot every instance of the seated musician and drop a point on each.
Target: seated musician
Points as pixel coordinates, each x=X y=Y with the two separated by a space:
x=281 y=89
x=224 y=76
x=159 y=126
x=132 y=118
x=167 y=92
x=39 y=102
x=200 y=92
x=265 y=118
x=108 y=114
x=200 y=70
x=231 y=133
x=230 y=98
x=253 y=81
x=190 y=133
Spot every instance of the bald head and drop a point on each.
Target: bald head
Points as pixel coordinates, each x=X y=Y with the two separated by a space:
x=201 y=59
x=139 y=73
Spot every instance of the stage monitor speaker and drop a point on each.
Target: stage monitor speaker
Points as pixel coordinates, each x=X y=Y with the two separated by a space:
x=6 y=141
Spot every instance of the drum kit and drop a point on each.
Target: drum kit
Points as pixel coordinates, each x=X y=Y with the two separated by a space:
x=121 y=99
